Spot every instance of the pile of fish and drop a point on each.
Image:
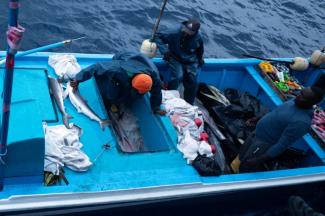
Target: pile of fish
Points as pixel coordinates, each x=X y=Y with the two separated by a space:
x=77 y=101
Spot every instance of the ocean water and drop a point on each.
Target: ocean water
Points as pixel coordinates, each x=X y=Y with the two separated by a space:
x=269 y=28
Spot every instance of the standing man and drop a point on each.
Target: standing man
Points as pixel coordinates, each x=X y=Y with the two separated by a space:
x=125 y=78
x=278 y=129
x=183 y=50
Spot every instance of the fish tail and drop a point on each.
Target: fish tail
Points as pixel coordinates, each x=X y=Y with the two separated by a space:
x=65 y=119
x=104 y=123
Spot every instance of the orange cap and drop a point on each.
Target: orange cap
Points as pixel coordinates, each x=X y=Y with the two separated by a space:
x=142 y=82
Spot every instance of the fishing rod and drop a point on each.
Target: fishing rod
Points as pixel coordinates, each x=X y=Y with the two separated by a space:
x=105 y=147
x=280 y=61
x=296 y=64
x=155 y=28
x=148 y=46
x=266 y=59
x=43 y=48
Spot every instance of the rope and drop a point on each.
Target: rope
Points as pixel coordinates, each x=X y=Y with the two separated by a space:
x=105 y=147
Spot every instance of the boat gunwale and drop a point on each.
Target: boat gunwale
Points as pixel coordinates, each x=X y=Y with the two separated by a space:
x=77 y=199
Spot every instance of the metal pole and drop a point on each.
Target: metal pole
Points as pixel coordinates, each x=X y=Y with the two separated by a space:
x=7 y=86
x=155 y=28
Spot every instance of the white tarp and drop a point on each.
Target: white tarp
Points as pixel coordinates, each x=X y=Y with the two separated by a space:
x=184 y=117
x=64 y=65
x=63 y=148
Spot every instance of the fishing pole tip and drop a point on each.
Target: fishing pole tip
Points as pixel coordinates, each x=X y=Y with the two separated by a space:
x=79 y=38
x=75 y=39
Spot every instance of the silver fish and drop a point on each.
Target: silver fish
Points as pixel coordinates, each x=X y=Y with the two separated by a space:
x=57 y=92
x=82 y=106
x=217 y=96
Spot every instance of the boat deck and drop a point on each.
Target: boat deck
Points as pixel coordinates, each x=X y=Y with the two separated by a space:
x=150 y=174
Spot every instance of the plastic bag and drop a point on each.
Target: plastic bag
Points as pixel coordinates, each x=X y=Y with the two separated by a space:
x=206 y=166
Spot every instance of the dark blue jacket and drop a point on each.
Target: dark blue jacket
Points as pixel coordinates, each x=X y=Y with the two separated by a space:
x=114 y=77
x=186 y=51
x=283 y=126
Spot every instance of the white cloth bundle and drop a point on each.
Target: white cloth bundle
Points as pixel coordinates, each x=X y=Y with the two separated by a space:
x=65 y=65
x=62 y=147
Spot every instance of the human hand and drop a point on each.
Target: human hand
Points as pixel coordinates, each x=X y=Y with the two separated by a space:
x=160 y=112
x=74 y=84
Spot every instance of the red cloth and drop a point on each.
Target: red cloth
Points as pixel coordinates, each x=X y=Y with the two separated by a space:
x=204 y=136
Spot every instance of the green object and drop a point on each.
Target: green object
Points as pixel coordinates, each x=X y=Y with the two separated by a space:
x=51 y=179
x=282 y=86
x=286 y=77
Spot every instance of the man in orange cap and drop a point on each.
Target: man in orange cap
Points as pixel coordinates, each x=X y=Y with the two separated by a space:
x=128 y=76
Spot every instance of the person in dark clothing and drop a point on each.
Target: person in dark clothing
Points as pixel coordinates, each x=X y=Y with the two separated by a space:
x=183 y=50
x=298 y=207
x=128 y=76
x=320 y=82
x=278 y=129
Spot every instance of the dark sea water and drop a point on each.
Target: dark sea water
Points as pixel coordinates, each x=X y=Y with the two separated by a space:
x=272 y=28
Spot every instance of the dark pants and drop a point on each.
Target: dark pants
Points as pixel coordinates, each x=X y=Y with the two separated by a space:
x=252 y=148
x=186 y=73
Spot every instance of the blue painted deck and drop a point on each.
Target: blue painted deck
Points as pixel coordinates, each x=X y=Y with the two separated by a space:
x=115 y=170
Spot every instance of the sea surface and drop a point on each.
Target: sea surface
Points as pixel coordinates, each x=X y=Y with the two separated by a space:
x=269 y=28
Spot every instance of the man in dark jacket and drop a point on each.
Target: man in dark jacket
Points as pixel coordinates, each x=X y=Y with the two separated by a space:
x=277 y=130
x=128 y=76
x=320 y=82
x=183 y=50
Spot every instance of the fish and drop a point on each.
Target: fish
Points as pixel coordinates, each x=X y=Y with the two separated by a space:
x=125 y=144
x=57 y=91
x=82 y=106
x=216 y=95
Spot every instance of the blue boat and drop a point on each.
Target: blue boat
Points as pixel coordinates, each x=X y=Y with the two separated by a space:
x=120 y=179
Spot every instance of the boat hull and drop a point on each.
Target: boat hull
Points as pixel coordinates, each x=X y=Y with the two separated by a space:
x=126 y=182
x=238 y=202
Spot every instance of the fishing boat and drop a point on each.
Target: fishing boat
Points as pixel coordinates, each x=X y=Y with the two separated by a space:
x=118 y=179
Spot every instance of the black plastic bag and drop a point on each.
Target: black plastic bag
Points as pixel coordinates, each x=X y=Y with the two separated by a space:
x=206 y=166
x=248 y=104
x=234 y=117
